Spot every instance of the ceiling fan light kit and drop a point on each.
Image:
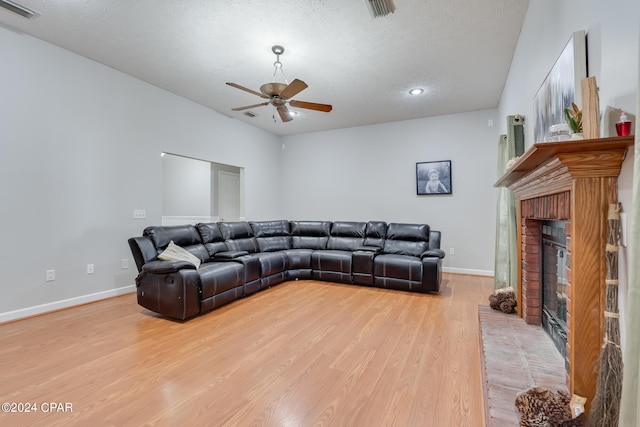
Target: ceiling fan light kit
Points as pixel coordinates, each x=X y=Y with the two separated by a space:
x=280 y=94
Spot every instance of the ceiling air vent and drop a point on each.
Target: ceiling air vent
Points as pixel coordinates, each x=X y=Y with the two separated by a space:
x=250 y=114
x=379 y=8
x=19 y=9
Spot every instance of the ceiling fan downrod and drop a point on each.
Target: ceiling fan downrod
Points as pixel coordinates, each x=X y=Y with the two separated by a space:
x=278 y=50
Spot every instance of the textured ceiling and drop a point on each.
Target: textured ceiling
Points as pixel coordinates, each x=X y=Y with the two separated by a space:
x=459 y=51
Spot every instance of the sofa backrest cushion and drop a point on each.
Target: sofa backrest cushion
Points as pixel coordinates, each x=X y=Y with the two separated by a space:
x=185 y=236
x=271 y=235
x=238 y=236
x=309 y=234
x=407 y=239
x=346 y=235
x=212 y=238
x=375 y=234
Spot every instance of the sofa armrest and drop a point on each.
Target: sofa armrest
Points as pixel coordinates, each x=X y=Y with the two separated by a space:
x=229 y=255
x=172 y=294
x=431 y=273
x=163 y=267
x=439 y=253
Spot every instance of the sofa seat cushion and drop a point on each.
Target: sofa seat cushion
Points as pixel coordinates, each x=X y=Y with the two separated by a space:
x=339 y=261
x=272 y=262
x=398 y=267
x=299 y=258
x=218 y=277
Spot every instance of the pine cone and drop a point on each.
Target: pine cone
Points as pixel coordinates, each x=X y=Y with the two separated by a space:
x=575 y=422
x=538 y=420
x=507 y=306
x=493 y=302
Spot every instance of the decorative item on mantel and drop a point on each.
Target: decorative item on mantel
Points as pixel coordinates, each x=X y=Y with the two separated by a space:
x=573 y=116
x=512 y=161
x=558 y=132
x=623 y=127
x=590 y=108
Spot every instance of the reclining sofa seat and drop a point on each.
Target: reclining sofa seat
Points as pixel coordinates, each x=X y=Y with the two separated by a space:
x=334 y=263
x=306 y=238
x=409 y=259
x=175 y=288
x=240 y=258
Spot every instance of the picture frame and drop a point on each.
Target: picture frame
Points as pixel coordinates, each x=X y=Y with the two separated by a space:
x=561 y=87
x=433 y=178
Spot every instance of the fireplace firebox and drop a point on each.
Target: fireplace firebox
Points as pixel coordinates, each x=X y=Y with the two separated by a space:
x=554 y=283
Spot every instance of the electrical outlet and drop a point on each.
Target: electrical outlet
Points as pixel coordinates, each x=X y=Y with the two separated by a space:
x=139 y=214
x=89 y=268
x=51 y=275
x=452 y=251
x=125 y=263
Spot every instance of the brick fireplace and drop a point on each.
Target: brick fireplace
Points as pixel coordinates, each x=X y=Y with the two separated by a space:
x=571 y=181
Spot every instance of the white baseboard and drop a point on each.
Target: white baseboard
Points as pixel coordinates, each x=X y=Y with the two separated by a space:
x=66 y=303
x=467 y=271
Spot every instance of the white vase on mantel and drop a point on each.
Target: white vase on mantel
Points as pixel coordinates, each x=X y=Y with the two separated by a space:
x=577 y=135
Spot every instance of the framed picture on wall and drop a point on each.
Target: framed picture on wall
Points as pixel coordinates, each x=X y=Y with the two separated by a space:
x=560 y=88
x=433 y=178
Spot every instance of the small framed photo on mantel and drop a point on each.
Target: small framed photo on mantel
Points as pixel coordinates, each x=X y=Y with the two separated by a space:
x=433 y=178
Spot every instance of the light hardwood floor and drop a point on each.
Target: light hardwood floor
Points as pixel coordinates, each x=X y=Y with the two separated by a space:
x=303 y=353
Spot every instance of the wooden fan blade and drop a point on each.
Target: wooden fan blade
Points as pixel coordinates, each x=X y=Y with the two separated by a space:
x=311 y=106
x=284 y=113
x=294 y=88
x=237 y=86
x=250 y=106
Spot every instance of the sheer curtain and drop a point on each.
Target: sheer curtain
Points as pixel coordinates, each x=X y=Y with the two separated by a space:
x=630 y=405
x=509 y=146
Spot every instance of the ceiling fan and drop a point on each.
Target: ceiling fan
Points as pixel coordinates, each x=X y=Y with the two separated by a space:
x=280 y=94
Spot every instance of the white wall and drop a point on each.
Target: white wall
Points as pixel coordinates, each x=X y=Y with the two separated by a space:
x=369 y=173
x=613 y=30
x=186 y=185
x=80 y=148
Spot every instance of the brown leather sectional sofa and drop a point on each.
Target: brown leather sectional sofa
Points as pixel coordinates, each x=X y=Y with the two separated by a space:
x=240 y=258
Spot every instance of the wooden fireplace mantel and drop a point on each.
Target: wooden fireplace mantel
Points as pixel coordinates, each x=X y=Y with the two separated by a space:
x=583 y=173
x=587 y=157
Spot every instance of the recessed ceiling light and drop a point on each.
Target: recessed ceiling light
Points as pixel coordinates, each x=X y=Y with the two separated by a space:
x=416 y=91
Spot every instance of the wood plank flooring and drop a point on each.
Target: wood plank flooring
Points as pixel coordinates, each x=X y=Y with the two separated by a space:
x=303 y=353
